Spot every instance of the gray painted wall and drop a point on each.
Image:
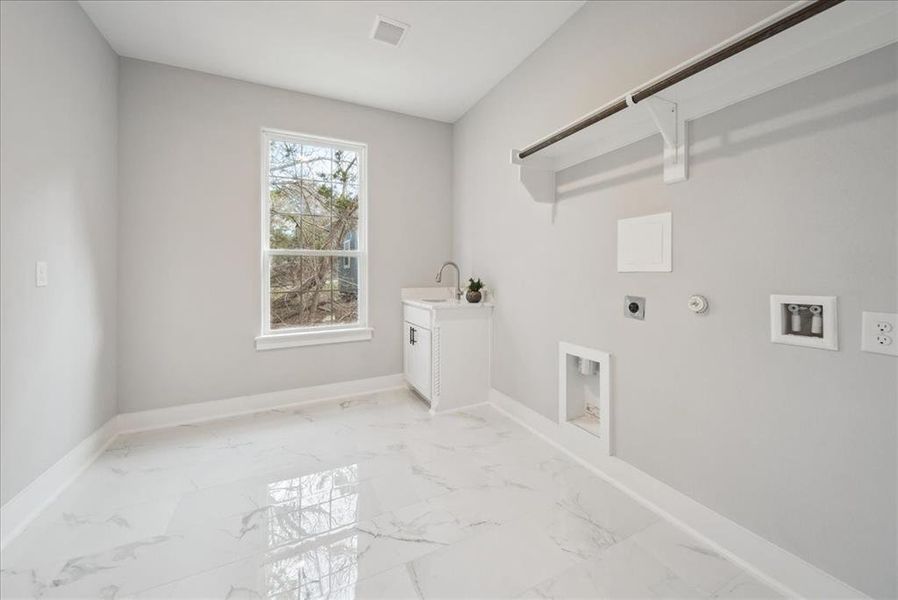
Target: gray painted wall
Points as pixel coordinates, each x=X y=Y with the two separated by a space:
x=189 y=224
x=57 y=203
x=790 y=192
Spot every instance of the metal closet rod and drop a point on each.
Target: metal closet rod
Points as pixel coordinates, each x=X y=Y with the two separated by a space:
x=650 y=90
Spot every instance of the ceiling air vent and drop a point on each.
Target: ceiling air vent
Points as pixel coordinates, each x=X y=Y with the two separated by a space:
x=388 y=31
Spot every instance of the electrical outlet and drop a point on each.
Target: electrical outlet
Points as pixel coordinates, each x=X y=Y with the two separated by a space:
x=883 y=326
x=877 y=333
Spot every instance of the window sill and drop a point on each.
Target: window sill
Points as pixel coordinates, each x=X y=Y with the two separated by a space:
x=313 y=338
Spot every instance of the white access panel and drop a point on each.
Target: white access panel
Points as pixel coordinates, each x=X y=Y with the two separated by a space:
x=644 y=244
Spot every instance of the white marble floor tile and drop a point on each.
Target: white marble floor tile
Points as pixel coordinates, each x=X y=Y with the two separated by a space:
x=623 y=570
x=748 y=588
x=127 y=568
x=287 y=578
x=103 y=487
x=696 y=564
x=595 y=501
x=364 y=556
x=492 y=504
x=499 y=563
x=370 y=497
x=60 y=534
x=395 y=583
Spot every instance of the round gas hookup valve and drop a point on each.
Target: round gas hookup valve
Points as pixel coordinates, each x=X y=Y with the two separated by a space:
x=698 y=304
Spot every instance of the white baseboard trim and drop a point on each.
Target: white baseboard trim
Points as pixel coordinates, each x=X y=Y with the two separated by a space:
x=29 y=502
x=244 y=405
x=461 y=409
x=22 y=508
x=790 y=575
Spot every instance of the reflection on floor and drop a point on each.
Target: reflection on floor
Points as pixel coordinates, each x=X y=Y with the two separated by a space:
x=368 y=498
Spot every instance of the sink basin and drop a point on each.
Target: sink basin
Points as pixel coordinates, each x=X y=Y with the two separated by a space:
x=433 y=300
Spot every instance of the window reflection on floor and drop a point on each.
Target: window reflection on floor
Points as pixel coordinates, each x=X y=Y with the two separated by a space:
x=309 y=559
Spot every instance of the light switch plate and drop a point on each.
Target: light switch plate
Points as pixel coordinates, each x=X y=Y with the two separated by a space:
x=40 y=274
x=879 y=333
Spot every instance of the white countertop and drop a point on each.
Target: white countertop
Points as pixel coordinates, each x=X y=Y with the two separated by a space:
x=439 y=298
x=451 y=304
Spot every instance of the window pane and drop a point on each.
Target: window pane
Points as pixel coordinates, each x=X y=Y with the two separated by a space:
x=315 y=233
x=346 y=166
x=285 y=160
x=346 y=300
x=314 y=197
x=344 y=228
x=294 y=196
x=284 y=230
x=346 y=215
x=333 y=229
x=313 y=290
x=317 y=163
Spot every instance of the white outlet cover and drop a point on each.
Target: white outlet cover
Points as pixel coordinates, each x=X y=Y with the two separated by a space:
x=870 y=332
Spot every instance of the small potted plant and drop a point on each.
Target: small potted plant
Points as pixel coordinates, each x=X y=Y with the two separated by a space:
x=473 y=294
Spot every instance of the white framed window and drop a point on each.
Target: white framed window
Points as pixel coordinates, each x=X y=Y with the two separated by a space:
x=314 y=241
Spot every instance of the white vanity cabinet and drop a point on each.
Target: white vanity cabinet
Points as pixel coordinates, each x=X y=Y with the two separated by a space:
x=446 y=351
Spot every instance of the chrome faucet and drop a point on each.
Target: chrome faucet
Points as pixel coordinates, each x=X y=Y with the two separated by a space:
x=457 y=278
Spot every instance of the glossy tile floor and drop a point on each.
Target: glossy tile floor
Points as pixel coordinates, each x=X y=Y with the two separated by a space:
x=368 y=498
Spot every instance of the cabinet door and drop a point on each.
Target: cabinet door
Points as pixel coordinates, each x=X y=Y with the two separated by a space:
x=416 y=358
x=408 y=352
x=423 y=364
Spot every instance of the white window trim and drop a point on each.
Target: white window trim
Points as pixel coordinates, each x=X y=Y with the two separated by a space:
x=310 y=337
x=320 y=334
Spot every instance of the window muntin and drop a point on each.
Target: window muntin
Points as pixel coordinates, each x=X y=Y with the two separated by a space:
x=314 y=225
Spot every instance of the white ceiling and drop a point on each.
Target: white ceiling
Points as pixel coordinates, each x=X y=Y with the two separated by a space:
x=451 y=56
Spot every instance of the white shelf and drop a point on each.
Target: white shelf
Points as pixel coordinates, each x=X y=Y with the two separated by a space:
x=843 y=32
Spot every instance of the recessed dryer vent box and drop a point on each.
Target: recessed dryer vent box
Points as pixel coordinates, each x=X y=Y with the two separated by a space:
x=804 y=321
x=584 y=393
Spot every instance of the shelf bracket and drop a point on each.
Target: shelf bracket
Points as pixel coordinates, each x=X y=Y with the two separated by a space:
x=537 y=176
x=673 y=131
